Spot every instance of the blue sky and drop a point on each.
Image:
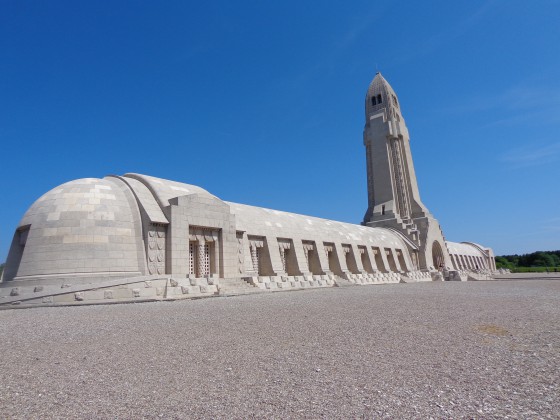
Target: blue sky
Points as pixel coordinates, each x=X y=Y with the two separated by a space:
x=261 y=102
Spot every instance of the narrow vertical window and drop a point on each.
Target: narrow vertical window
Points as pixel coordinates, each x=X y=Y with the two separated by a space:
x=379 y=99
x=373 y=101
x=192 y=258
x=383 y=209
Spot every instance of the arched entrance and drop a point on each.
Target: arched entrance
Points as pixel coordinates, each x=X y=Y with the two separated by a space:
x=437 y=255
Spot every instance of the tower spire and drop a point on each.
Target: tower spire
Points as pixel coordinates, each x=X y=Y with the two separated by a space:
x=393 y=194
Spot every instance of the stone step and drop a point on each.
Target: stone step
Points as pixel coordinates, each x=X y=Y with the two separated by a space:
x=236 y=286
x=230 y=291
x=340 y=282
x=238 y=290
x=234 y=282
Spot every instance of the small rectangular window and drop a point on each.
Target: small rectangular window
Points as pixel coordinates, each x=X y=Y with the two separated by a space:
x=373 y=102
x=379 y=99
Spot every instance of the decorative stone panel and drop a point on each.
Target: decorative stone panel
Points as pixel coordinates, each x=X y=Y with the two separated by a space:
x=240 y=253
x=156 y=249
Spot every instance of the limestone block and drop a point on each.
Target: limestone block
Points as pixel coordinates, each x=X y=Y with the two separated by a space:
x=253 y=280
x=94 y=295
x=437 y=276
x=79 y=296
x=198 y=281
x=454 y=276
x=174 y=291
x=190 y=290
x=67 y=298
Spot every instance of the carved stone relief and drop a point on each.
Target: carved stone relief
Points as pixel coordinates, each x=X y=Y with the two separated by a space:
x=156 y=249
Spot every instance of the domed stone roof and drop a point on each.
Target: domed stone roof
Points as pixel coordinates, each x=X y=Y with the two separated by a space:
x=81 y=227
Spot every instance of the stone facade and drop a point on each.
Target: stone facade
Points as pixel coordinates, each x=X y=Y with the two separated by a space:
x=393 y=194
x=137 y=237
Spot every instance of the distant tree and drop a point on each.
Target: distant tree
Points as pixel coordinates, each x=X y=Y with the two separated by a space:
x=534 y=259
x=503 y=262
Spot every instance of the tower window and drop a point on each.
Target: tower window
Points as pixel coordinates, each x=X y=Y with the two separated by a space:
x=379 y=99
x=373 y=101
x=395 y=101
x=383 y=209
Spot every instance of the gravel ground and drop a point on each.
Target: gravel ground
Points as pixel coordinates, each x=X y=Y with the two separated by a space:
x=441 y=350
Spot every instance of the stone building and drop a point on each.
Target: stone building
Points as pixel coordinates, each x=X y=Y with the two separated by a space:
x=135 y=237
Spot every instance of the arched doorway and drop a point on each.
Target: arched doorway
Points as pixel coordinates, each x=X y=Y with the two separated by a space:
x=437 y=255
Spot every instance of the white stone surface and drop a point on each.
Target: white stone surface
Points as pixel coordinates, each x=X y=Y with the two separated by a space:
x=90 y=232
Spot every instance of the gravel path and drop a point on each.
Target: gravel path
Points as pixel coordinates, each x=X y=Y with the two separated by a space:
x=441 y=350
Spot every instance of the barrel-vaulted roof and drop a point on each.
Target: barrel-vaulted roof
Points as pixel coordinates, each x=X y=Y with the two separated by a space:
x=464 y=249
x=262 y=221
x=165 y=190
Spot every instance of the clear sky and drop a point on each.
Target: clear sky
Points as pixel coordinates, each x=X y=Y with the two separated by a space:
x=262 y=103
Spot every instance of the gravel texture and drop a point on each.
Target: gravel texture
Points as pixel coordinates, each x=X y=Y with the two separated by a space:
x=441 y=350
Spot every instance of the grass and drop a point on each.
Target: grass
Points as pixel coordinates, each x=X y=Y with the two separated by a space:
x=535 y=270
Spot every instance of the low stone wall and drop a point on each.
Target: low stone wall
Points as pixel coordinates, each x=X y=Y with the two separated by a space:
x=375 y=278
x=137 y=289
x=154 y=288
x=291 y=282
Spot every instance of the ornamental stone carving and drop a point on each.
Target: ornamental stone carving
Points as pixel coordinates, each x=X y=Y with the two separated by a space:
x=156 y=249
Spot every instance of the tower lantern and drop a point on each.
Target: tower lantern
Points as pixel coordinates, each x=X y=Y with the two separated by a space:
x=393 y=196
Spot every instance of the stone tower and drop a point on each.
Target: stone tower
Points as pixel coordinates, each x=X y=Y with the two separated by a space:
x=393 y=196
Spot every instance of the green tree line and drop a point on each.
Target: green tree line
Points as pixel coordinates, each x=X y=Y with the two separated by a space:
x=536 y=261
